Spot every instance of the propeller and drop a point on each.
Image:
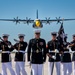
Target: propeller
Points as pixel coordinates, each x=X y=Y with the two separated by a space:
x=58 y=20
x=47 y=20
x=27 y=20
x=16 y=20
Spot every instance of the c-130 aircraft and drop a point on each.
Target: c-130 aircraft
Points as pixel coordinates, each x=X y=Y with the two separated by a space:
x=37 y=23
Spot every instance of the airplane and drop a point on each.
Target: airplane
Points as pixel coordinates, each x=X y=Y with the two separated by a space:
x=37 y=23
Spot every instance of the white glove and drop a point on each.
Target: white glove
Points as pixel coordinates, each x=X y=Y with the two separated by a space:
x=9 y=46
x=54 y=57
x=69 y=49
x=29 y=63
x=56 y=51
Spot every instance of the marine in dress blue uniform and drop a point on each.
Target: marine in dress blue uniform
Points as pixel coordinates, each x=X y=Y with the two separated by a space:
x=37 y=53
x=6 y=48
x=53 y=45
x=20 y=55
x=72 y=45
x=66 y=59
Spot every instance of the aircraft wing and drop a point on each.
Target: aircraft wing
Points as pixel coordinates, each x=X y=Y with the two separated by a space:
x=18 y=20
x=56 y=20
x=52 y=20
x=32 y=21
x=7 y=20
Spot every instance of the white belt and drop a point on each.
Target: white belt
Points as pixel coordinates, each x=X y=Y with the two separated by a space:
x=21 y=51
x=5 y=51
x=63 y=52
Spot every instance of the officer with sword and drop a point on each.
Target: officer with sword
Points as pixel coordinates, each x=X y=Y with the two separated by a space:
x=37 y=53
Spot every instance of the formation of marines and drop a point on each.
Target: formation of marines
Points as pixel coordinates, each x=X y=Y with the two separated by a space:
x=37 y=52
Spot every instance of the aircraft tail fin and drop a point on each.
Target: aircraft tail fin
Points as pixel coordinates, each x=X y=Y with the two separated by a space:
x=37 y=14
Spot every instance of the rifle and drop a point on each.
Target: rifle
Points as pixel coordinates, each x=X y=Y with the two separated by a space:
x=16 y=40
x=5 y=42
x=71 y=45
x=19 y=44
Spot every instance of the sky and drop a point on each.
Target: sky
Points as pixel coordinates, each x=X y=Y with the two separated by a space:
x=10 y=9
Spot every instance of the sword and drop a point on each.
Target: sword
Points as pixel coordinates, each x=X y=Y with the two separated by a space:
x=53 y=62
x=53 y=65
x=19 y=44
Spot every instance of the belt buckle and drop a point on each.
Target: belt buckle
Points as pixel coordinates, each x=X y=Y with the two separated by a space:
x=2 y=51
x=37 y=51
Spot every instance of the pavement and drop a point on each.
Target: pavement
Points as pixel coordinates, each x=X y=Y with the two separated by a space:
x=28 y=68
